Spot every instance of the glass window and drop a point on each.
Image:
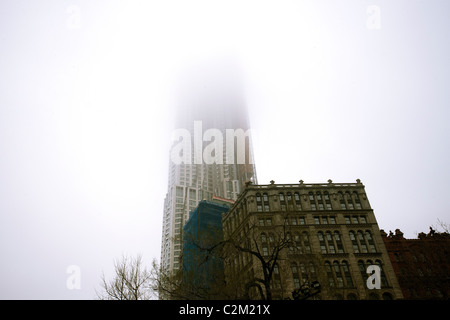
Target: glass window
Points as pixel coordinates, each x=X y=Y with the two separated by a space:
x=357 y=201
x=323 y=247
x=312 y=201
x=306 y=242
x=331 y=248
x=349 y=200
x=342 y=200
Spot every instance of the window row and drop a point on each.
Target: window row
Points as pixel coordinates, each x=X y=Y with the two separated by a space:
x=302 y=273
x=324 y=220
x=361 y=219
x=330 y=242
x=362 y=242
x=338 y=274
x=317 y=200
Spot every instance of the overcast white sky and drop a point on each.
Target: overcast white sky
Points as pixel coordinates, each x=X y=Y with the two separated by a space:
x=336 y=90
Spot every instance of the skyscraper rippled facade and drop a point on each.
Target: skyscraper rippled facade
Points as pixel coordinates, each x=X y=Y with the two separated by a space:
x=211 y=155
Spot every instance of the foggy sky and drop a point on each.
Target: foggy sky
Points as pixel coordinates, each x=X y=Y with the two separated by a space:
x=88 y=93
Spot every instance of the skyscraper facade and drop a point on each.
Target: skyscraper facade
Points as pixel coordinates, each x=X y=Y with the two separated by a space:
x=211 y=153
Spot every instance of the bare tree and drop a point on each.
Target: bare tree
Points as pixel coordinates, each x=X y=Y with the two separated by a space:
x=267 y=248
x=443 y=225
x=131 y=281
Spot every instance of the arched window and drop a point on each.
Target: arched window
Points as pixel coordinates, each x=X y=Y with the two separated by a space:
x=295 y=275
x=329 y=272
x=354 y=242
x=337 y=239
x=331 y=247
x=303 y=272
x=338 y=274
x=323 y=247
x=362 y=270
x=298 y=243
x=383 y=279
x=362 y=242
x=370 y=241
x=312 y=270
x=276 y=278
x=347 y=275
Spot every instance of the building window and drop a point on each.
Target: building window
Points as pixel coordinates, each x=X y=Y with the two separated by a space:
x=319 y=200
x=330 y=276
x=282 y=201
x=349 y=200
x=276 y=277
x=266 y=202
x=304 y=274
x=331 y=247
x=362 y=270
x=384 y=282
x=337 y=238
x=297 y=201
x=312 y=201
x=362 y=242
x=306 y=244
x=323 y=247
x=342 y=200
x=347 y=274
x=290 y=202
x=338 y=274
x=259 y=202
x=357 y=201
x=327 y=200
x=316 y=220
x=370 y=241
x=354 y=242
x=264 y=245
x=295 y=275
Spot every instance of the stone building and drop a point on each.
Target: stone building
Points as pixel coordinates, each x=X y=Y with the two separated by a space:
x=422 y=265
x=284 y=237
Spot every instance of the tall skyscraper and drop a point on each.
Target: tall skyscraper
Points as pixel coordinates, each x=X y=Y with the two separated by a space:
x=211 y=151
